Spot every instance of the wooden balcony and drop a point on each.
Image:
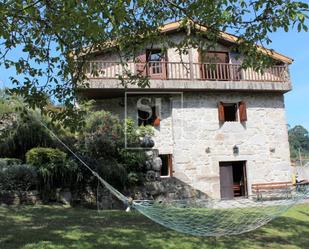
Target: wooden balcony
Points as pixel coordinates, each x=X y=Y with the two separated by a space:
x=185 y=71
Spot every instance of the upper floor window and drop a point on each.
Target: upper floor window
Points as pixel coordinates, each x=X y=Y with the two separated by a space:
x=232 y=112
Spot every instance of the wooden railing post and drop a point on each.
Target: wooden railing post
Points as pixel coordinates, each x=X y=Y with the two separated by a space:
x=191 y=64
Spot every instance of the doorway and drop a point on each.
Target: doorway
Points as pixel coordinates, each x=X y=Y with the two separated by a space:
x=233 y=179
x=215 y=65
x=156 y=61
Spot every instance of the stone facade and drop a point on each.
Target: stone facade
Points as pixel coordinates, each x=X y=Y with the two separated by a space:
x=191 y=132
x=189 y=127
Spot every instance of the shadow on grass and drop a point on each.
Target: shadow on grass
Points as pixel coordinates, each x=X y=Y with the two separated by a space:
x=57 y=227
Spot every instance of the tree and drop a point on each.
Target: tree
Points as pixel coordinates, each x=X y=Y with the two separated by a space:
x=299 y=139
x=49 y=32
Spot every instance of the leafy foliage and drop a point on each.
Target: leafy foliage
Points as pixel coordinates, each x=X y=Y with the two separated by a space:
x=18 y=177
x=299 y=140
x=102 y=144
x=51 y=32
x=20 y=130
x=53 y=167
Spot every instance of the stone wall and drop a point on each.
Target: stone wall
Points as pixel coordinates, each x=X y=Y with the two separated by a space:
x=192 y=133
x=19 y=197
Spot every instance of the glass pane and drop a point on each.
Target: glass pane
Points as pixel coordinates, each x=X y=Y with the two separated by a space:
x=155 y=56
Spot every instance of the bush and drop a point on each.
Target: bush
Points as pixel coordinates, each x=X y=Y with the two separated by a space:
x=102 y=144
x=41 y=156
x=53 y=167
x=18 y=178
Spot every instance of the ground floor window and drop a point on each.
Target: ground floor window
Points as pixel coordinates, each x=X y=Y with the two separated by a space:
x=166 y=169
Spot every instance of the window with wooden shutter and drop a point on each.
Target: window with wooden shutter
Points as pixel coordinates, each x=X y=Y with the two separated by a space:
x=232 y=112
x=221 y=112
x=242 y=111
x=147 y=118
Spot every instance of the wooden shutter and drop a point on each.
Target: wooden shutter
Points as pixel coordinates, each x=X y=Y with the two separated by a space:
x=242 y=111
x=141 y=64
x=156 y=122
x=221 y=112
x=155 y=118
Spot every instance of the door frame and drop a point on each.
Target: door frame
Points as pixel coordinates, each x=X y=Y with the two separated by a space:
x=244 y=171
x=214 y=72
x=163 y=74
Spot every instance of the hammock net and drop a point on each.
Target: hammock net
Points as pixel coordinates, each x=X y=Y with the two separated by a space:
x=207 y=217
x=212 y=217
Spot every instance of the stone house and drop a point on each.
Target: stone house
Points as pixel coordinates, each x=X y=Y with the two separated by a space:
x=218 y=128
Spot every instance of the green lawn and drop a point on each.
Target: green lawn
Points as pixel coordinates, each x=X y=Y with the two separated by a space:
x=62 y=227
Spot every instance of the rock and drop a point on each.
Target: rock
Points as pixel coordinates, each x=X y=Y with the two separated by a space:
x=147 y=142
x=64 y=196
x=157 y=164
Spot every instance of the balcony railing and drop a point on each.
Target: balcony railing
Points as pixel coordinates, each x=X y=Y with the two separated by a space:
x=184 y=71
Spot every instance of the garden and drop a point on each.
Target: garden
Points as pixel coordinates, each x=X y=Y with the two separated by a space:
x=71 y=209
x=36 y=168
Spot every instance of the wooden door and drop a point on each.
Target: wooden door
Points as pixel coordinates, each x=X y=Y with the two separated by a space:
x=226 y=181
x=156 y=64
x=215 y=66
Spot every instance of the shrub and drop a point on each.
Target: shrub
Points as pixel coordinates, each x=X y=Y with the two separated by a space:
x=18 y=178
x=40 y=156
x=102 y=144
x=24 y=133
x=53 y=167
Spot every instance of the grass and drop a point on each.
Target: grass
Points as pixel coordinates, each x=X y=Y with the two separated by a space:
x=58 y=227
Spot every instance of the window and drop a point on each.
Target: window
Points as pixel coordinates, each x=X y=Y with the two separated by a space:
x=166 y=170
x=147 y=118
x=232 y=112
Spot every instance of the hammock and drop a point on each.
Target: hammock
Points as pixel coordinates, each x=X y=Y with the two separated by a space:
x=205 y=217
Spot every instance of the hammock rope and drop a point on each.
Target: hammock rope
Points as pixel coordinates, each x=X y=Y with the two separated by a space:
x=207 y=217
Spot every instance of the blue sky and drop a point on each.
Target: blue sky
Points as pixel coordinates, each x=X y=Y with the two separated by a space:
x=292 y=44
x=296 y=45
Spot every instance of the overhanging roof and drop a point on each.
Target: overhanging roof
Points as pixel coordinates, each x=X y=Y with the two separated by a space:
x=175 y=26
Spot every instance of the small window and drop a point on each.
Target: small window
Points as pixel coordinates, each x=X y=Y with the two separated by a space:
x=147 y=118
x=232 y=112
x=166 y=169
